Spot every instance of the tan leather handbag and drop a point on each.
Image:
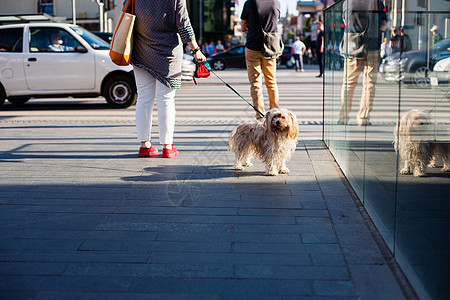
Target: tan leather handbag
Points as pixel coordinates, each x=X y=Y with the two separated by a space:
x=122 y=42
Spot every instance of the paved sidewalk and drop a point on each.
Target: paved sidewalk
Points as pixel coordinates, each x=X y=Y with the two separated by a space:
x=83 y=218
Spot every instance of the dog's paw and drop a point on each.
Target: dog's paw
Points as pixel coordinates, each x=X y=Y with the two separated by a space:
x=433 y=165
x=446 y=169
x=419 y=174
x=239 y=168
x=405 y=171
x=285 y=171
x=271 y=173
x=247 y=164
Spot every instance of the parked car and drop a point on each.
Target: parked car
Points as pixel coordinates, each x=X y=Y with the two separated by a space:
x=52 y=59
x=440 y=77
x=235 y=58
x=414 y=67
x=106 y=36
x=286 y=58
x=231 y=58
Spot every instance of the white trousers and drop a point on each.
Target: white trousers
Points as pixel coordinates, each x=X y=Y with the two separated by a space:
x=150 y=89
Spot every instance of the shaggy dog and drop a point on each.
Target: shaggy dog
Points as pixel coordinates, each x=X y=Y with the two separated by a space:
x=415 y=141
x=272 y=140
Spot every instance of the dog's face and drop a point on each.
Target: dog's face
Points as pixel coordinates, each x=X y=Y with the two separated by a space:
x=414 y=122
x=282 y=120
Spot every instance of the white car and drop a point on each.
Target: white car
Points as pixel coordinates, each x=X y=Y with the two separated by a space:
x=55 y=59
x=440 y=76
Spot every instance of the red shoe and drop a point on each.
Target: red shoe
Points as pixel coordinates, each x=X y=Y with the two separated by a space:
x=146 y=152
x=169 y=153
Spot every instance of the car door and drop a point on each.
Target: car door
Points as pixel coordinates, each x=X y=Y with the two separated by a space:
x=53 y=62
x=237 y=57
x=11 y=59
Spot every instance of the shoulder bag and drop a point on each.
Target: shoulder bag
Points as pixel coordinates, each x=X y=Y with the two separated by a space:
x=273 y=45
x=122 y=41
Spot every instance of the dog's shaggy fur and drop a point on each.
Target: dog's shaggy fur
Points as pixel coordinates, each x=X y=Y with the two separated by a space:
x=272 y=140
x=416 y=144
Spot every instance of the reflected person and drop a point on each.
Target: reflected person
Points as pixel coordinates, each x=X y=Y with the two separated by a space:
x=364 y=21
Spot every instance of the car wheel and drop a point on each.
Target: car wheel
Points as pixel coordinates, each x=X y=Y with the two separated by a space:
x=219 y=65
x=2 y=95
x=421 y=77
x=18 y=100
x=120 y=91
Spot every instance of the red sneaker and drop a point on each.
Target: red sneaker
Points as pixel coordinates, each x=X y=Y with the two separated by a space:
x=146 y=152
x=169 y=153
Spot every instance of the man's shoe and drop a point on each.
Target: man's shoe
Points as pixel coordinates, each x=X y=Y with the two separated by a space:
x=147 y=152
x=169 y=153
x=320 y=75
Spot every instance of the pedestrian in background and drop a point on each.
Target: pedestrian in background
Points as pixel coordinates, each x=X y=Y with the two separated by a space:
x=405 y=40
x=297 y=50
x=395 y=42
x=268 y=12
x=320 y=44
x=219 y=47
x=156 y=58
x=211 y=48
x=385 y=51
x=437 y=37
x=205 y=49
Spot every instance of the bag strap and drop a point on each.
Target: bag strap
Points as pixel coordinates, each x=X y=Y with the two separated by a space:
x=255 y=6
x=125 y=8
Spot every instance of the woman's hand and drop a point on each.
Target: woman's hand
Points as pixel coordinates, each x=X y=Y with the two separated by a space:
x=199 y=56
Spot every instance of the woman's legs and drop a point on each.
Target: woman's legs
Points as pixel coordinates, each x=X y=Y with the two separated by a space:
x=145 y=84
x=165 y=102
x=150 y=89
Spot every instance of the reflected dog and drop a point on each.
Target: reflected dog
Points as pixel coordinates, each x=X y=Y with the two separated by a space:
x=272 y=140
x=416 y=143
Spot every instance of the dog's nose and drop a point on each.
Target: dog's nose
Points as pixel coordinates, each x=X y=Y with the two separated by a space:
x=278 y=123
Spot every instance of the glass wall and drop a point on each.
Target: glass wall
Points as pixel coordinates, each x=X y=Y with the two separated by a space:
x=387 y=123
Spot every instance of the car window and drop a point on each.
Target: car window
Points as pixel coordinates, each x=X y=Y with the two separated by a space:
x=52 y=40
x=238 y=50
x=11 y=39
x=92 y=39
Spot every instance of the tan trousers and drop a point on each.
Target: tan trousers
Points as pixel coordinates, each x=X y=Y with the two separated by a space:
x=352 y=70
x=255 y=64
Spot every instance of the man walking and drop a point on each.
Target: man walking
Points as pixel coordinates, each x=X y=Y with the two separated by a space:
x=298 y=49
x=268 y=12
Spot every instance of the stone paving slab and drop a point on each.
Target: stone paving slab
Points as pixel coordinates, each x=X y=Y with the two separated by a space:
x=84 y=218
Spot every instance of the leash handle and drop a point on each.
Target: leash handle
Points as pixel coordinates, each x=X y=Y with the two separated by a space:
x=231 y=88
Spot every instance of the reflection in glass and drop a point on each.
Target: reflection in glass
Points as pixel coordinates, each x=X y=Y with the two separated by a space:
x=394 y=62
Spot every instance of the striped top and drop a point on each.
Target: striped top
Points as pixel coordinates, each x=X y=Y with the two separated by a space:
x=159 y=28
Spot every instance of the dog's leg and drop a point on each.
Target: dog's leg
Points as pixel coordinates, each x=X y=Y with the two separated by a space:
x=247 y=161
x=271 y=169
x=446 y=159
x=238 y=162
x=407 y=168
x=420 y=168
x=283 y=168
x=433 y=161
